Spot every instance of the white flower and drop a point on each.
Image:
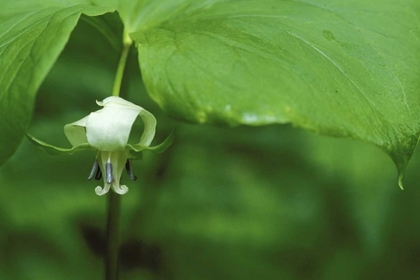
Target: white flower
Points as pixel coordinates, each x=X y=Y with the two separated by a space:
x=107 y=130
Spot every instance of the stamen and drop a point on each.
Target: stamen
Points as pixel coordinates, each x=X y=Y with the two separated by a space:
x=98 y=175
x=130 y=172
x=94 y=171
x=108 y=170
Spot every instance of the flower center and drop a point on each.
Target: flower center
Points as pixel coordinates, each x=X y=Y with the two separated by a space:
x=97 y=173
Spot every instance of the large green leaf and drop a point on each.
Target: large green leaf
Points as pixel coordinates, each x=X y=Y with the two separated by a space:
x=338 y=67
x=32 y=35
x=341 y=68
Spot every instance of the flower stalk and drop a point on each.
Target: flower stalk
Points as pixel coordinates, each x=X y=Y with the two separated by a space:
x=121 y=64
x=112 y=229
x=114 y=199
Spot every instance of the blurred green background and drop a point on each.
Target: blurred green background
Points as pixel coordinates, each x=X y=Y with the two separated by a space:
x=270 y=202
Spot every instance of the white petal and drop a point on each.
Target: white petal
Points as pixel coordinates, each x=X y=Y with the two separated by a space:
x=120 y=189
x=115 y=100
x=149 y=128
x=76 y=132
x=108 y=129
x=104 y=190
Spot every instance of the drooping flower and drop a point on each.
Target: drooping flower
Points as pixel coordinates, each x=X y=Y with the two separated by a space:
x=107 y=131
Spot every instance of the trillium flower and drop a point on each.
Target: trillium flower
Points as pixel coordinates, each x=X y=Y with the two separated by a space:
x=107 y=131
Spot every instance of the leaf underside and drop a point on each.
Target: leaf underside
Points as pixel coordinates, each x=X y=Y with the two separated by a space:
x=346 y=68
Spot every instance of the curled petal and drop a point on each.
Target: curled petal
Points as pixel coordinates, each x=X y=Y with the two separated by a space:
x=115 y=100
x=76 y=132
x=149 y=128
x=101 y=191
x=123 y=189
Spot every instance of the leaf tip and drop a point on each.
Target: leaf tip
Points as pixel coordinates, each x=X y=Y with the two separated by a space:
x=401 y=155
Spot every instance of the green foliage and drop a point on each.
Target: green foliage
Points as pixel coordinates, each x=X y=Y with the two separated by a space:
x=244 y=203
x=32 y=36
x=341 y=68
x=269 y=202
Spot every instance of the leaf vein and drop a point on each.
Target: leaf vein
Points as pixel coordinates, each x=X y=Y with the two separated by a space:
x=340 y=69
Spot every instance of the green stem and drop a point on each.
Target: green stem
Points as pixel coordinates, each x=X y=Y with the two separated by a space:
x=121 y=64
x=114 y=200
x=111 y=261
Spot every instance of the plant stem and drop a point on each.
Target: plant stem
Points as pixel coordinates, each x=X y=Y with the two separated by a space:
x=121 y=64
x=111 y=260
x=114 y=200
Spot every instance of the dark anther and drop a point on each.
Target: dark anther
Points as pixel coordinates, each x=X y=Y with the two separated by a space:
x=98 y=175
x=94 y=170
x=108 y=170
x=129 y=168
